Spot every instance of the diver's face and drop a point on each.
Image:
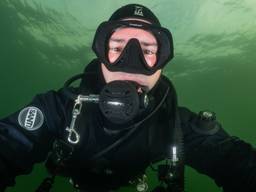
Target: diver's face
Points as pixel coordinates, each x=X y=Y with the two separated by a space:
x=149 y=46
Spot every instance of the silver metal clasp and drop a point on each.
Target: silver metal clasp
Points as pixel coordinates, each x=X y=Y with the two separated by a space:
x=73 y=136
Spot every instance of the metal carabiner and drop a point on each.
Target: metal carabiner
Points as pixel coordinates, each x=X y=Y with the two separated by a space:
x=73 y=136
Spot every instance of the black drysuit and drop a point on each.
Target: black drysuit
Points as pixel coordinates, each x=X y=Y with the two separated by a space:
x=228 y=160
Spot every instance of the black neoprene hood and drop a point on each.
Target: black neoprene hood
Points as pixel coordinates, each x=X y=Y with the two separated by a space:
x=135 y=11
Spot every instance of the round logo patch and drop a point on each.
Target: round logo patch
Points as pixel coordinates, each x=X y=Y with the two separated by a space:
x=31 y=118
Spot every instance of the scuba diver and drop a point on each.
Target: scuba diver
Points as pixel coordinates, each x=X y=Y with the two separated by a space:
x=122 y=118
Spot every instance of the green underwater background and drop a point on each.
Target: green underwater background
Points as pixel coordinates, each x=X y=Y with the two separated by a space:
x=44 y=42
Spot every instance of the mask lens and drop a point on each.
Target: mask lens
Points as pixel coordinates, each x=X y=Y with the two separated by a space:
x=147 y=44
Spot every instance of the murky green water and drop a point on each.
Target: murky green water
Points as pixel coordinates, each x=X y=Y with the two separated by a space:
x=43 y=42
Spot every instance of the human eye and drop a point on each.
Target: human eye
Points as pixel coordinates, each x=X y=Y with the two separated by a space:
x=148 y=52
x=115 y=49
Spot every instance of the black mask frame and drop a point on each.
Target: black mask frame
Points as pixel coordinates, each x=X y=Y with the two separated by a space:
x=163 y=36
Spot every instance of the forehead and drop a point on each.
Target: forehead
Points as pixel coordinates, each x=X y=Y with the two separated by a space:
x=130 y=32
